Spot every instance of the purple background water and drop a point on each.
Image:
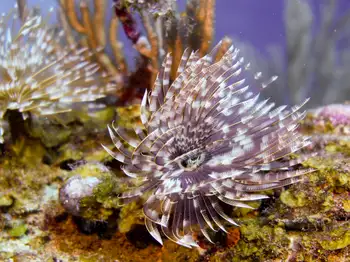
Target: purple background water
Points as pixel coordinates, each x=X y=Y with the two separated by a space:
x=258 y=22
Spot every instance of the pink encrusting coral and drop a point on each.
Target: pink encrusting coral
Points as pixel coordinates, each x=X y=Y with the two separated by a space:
x=207 y=139
x=337 y=114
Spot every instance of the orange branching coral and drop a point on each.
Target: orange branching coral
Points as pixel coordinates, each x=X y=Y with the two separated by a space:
x=226 y=42
x=206 y=18
x=93 y=34
x=165 y=33
x=193 y=29
x=91 y=29
x=171 y=31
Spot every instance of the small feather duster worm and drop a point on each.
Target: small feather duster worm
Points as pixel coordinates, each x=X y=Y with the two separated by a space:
x=38 y=74
x=207 y=139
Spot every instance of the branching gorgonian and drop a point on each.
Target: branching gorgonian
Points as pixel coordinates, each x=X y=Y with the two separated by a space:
x=207 y=139
x=39 y=74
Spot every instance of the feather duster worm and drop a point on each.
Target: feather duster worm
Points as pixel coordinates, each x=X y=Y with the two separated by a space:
x=41 y=76
x=207 y=139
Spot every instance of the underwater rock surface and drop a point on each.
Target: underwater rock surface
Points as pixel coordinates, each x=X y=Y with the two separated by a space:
x=308 y=221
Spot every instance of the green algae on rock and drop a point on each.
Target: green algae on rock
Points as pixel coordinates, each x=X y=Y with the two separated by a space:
x=26 y=185
x=91 y=193
x=298 y=200
x=5 y=200
x=311 y=231
x=337 y=239
x=129 y=216
x=129 y=117
x=18 y=230
x=315 y=229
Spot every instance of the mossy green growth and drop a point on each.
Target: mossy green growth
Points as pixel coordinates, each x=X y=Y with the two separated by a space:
x=102 y=116
x=338 y=239
x=92 y=169
x=107 y=191
x=88 y=149
x=22 y=182
x=51 y=134
x=96 y=119
x=319 y=163
x=242 y=212
x=340 y=146
x=343 y=180
x=130 y=215
x=104 y=200
x=260 y=242
x=312 y=124
x=129 y=117
x=346 y=205
x=294 y=199
x=18 y=230
x=69 y=152
x=58 y=129
x=5 y=200
x=26 y=152
x=330 y=172
x=331 y=177
x=328 y=202
x=90 y=209
x=99 y=154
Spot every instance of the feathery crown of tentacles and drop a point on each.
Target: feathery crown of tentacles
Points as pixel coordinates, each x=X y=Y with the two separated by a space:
x=207 y=139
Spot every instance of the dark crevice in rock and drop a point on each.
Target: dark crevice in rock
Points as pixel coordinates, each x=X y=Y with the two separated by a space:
x=140 y=237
